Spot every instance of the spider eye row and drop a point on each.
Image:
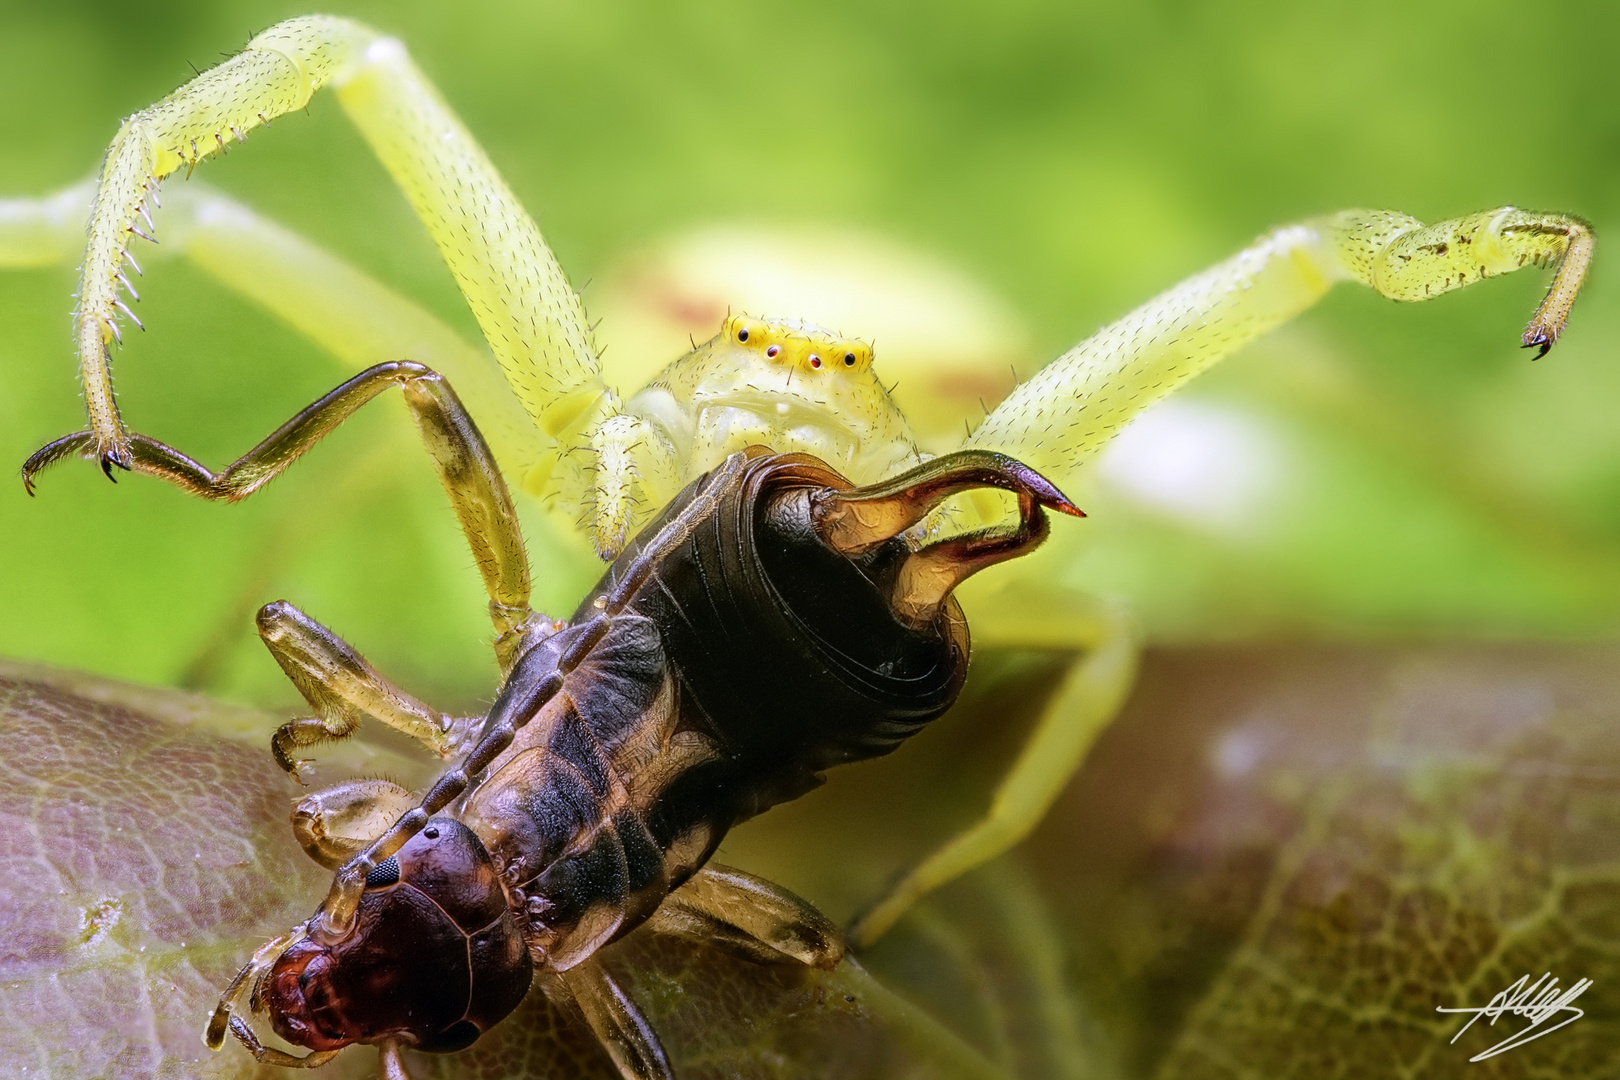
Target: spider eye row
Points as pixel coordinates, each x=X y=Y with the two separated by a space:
x=743 y=334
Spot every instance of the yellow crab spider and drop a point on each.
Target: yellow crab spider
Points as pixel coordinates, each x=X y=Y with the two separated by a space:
x=558 y=430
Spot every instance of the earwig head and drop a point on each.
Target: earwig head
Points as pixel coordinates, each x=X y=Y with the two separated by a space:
x=433 y=960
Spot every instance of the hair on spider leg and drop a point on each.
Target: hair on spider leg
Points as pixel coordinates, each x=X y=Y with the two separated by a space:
x=121 y=306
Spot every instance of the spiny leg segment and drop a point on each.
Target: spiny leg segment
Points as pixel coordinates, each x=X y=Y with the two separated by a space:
x=531 y=318
x=339 y=307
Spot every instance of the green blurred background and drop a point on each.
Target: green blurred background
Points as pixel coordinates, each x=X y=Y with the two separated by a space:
x=1074 y=158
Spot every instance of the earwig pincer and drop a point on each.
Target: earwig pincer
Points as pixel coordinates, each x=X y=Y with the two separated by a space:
x=773 y=621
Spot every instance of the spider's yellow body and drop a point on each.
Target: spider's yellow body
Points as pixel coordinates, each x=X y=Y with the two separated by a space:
x=783 y=383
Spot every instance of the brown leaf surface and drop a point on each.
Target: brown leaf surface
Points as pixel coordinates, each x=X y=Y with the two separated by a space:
x=1284 y=860
x=1278 y=863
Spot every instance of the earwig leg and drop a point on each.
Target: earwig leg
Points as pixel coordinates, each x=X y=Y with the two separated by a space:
x=1091 y=693
x=750 y=914
x=626 y=1035
x=224 y=1016
x=336 y=824
x=392 y=1062
x=340 y=686
x=463 y=461
x=269 y=1055
x=520 y=701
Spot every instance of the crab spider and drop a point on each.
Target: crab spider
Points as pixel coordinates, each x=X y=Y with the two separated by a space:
x=557 y=429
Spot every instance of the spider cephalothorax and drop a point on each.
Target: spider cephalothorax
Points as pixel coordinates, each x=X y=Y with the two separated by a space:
x=784 y=383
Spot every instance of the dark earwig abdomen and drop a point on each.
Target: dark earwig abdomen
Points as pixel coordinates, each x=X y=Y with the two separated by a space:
x=675 y=728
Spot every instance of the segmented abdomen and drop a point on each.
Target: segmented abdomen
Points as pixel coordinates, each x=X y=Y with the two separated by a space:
x=570 y=811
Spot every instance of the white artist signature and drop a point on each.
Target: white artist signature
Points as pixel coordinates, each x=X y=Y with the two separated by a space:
x=1535 y=1002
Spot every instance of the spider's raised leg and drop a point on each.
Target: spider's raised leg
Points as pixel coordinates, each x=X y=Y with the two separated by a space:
x=1104 y=644
x=531 y=318
x=1058 y=419
x=464 y=463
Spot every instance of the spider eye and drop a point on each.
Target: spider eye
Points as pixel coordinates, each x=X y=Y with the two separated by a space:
x=773 y=350
x=742 y=335
x=849 y=359
x=815 y=361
